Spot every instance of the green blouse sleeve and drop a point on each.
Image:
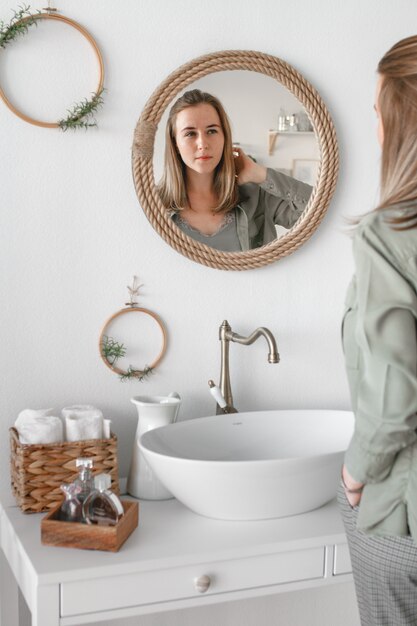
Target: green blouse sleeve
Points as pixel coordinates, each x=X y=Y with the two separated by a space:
x=284 y=198
x=384 y=331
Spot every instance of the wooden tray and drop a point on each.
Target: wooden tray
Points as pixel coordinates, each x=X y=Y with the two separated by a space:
x=54 y=532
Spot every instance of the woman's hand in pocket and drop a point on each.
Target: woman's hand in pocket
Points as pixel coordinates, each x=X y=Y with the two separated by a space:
x=353 y=489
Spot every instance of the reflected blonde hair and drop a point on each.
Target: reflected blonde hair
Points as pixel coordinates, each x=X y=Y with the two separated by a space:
x=397 y=102
x=172 y=187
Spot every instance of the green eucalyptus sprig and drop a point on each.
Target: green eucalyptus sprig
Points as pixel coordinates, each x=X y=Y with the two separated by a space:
x=81 y=115
x=16 y=27
x=112 y=350
x=140 y=375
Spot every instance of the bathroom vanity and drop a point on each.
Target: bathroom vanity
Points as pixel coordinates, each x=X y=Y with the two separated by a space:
x=174 y=559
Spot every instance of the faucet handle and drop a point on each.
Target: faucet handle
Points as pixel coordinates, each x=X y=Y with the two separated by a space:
x=218 y=396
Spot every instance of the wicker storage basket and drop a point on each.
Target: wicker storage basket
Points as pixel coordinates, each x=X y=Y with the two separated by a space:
x=37 y=470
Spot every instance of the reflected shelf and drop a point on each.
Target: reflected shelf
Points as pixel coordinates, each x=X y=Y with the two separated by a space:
x=273 y=134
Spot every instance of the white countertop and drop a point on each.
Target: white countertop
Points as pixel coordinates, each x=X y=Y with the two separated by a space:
x=157 y=567
x=170 y=535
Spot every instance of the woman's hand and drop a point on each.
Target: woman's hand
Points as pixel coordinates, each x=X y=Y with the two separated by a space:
x=247 y=171
x=350 y=484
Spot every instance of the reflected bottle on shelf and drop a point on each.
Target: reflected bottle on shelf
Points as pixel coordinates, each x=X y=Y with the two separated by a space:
x=282 y=121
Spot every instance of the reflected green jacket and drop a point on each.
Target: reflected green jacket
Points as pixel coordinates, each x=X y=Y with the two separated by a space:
x=380 y=346
x=279 y=200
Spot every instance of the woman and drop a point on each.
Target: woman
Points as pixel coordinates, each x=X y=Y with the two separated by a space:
x=215 y=192
x=378 y=495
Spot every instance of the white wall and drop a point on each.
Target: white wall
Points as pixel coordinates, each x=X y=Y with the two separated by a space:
x=73 y=234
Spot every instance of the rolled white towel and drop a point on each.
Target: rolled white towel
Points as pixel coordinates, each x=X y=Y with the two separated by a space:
x=82 y=422
x=39 y=426
x=106 y=429
x=27 y=414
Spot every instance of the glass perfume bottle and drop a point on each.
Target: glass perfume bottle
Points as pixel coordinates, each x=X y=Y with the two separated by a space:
x=102 y=506
x=85 y=478
x=71 y=509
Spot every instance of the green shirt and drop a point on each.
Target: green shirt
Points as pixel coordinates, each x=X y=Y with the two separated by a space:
x=279 y=200
x=224 y=239
x=380 y=346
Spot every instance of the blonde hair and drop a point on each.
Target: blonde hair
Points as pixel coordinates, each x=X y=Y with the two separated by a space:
x=172 y=187
x=398 y=110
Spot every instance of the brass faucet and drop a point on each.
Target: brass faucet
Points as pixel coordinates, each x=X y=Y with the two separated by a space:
x=226 y=336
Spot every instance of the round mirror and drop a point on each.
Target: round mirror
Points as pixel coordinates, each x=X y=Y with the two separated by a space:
x=278 y=121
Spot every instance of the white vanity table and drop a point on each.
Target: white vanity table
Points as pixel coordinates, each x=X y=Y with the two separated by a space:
x=157 y=568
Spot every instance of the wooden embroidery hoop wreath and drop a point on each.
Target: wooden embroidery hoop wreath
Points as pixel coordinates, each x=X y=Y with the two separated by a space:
x=133 y=309
x=86 y=34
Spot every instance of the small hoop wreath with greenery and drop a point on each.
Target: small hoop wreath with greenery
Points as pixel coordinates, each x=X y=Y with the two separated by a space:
x=81 y=115
x=111 y=350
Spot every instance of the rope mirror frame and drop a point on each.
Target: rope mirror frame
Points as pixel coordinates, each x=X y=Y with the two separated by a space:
x=134 y=309
x=91 y=41
x=143 y=147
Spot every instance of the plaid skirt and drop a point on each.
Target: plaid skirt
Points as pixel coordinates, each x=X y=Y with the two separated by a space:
x=384 y=572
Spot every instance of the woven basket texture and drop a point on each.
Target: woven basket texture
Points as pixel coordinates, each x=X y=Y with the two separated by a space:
x=38 y=470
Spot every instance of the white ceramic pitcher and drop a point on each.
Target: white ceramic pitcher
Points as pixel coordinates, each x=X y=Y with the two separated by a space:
x=153 y=411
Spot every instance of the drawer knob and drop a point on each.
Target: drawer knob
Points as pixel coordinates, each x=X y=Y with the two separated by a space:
x=202 y=583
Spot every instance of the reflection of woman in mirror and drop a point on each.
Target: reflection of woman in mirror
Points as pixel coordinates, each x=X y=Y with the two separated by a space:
x=215 y=192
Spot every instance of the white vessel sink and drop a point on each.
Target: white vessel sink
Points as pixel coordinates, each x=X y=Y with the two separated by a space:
x=251 y=466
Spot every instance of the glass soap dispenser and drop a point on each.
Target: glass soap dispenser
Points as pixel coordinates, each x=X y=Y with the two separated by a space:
x=102 y=506
x=85 y=478
x=71 y=509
